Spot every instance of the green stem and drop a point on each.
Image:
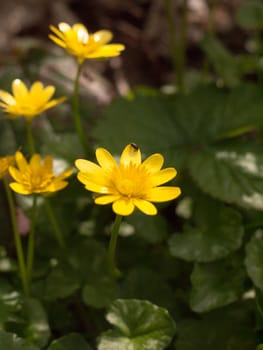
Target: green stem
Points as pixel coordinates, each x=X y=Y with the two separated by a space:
x=30 y=139
x=76 y=111
x=178 y=43
x=56 y=228
x=18 y=243
x=112 y=247
x=31 y=241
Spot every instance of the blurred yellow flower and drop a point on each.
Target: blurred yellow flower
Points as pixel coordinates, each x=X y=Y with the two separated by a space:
x=77 y=41
x=131 y=183
x=36 y=176
x=26 y=102
x=5 y=162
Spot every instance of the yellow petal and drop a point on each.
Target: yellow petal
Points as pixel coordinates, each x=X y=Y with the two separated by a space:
x=19 y=89
x=21 y=161
x=15 y=174
x=87 y=166
x=105 y=159
x=153 y=163
x=130 y=154
x=102 y=37
x=7 y=98
x=111 y=50
x=163 y=194
x=92 y=185
x=123 y=207
x=16 y=187
x=64 y=27
x=54 y=102
x=56 y=40
x=56 y=186
x=65 y=174
x=35 y=163
x=105 y=199
x=57 y=32
x=162 y=176
x=145 y=206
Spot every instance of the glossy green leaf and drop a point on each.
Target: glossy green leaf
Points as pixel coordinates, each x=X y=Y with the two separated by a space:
x=140 y=325
x=9 y=341
x=250 y=15
x=230 y=327
x=186 y=123
x=232 y=174
x=71 y=341
x=222 y=60
x=216 y=284
x=254 y=259
x=217 y=232
x=9 y=302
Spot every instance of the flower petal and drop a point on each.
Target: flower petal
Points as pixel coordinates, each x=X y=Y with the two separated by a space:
x=19 y=188
x=153 y=163
x=21 y=161
x=162 y=176
x=19 y=89
x=56 y=40
x=123 y=207
x=15 y=174
x=87 y=166
x=106 y=199
x=56 y=186
x=130 y=154
x=111 y=50
x=93 y=186
x=146 y=207
x=35 y=162
x=7 y=98
x=64 y=27
x=102 y=36
x=105 y=159
x=163 y=194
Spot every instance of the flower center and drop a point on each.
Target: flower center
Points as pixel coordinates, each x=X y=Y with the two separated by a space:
x=37 y=181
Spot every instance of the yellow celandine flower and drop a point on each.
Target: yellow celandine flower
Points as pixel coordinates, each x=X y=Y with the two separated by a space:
x=131 y=183
x=36 y=176
x=77 y=41
x=26 y=102
x=5 y=162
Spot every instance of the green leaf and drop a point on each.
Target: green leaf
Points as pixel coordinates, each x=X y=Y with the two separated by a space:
x=37 y=328
x=61 y=282
x=217 y=233
x=9 y=341
x=223 y=61
x=186 y=123
x=136 y=285
x=254 y=259
x=216 y=284
x=139 y=324
x=9 y=302
x=152 y=228
x=250 y=15
x=71 y=341
x=232 y=174
x=100 y=293
x=230 y=328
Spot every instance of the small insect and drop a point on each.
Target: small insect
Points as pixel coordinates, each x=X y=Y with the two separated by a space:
x=134 y=146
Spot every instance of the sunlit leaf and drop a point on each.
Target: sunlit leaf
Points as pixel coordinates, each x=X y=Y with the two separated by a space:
x=254 y=259
x=139 y=324
x=9 y=341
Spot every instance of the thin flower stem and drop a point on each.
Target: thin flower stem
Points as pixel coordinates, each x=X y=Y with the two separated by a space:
x=53 y=221
x=31 y=241
x=178 y=42
x=17 y=238
x=112 y=247
x=30 y=139
x=76 y=111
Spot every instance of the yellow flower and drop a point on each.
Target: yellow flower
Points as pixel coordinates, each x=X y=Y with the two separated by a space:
x=36 y=176
x=77 y=41
x=129 y=184
x=5 y=162
x=28 y=102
